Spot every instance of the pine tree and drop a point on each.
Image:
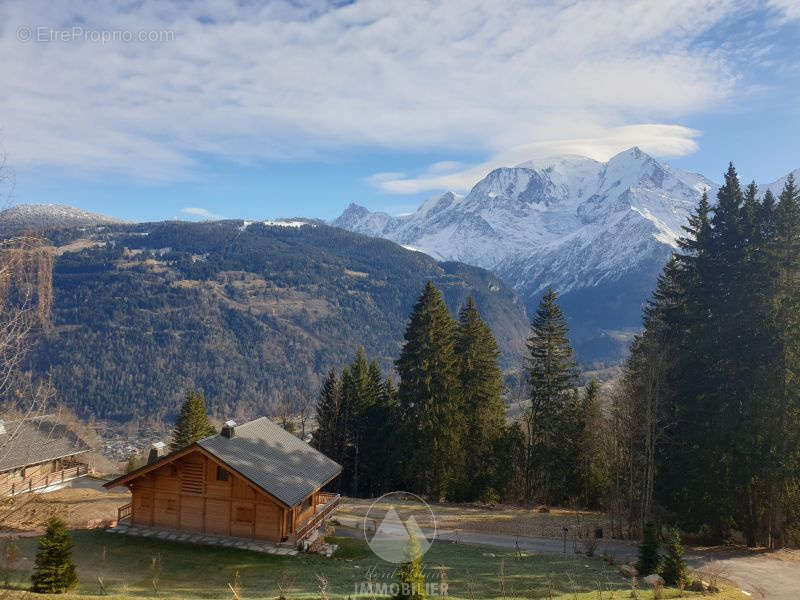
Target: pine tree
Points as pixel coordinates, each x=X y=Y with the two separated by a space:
x=192 y=424
x=649 y=556
x=324 y=438
x=720 y=359
x=359 y=393
x=480 y=382
x=411 y=574
x=673 y=568
x=54 y=571
x=378 y=438
x=430 y=408
x=552 y=419
x=592 y=470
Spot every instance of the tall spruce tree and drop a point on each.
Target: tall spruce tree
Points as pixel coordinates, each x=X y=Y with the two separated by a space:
x=723 y=326
x=359 y=393
x=552 y=419
x=480 y=383
x=192 y=423
x=379 y=438
x=429 y=403
x=592 y=471
x=325 y=436
x=54 y=570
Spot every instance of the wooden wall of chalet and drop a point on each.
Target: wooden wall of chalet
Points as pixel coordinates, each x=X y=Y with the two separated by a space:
x=187 y=494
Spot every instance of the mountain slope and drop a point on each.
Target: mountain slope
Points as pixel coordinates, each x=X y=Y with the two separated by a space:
x=597 y=232
x=253 y=314
x=22 y=217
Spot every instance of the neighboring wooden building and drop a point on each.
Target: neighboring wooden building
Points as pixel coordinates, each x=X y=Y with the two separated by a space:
x=38 y=453
x=254 y=480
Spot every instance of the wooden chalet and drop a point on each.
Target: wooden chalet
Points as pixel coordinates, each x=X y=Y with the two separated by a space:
x=38 y=453
x=254 y=480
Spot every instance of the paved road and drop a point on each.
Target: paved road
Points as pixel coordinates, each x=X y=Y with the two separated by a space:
x=758 y=574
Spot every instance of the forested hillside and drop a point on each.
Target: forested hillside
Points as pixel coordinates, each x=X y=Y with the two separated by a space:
x=252 y=314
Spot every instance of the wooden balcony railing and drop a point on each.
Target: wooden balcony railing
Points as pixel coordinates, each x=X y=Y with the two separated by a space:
x=29 y=484
x=324 y=510
x=124 y=512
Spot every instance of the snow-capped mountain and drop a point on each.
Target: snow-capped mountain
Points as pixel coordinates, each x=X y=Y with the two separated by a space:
x=776 y=187
x=48 y=216
x=597 y=232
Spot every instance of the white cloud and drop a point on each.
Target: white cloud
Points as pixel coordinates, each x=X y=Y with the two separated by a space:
x=660 y=140
x=789 y=9
x=251 y=81
x=201 y=213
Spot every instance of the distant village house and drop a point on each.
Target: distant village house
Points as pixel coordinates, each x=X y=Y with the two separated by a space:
x=39 y=453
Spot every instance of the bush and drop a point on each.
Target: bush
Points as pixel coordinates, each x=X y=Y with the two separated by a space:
x=411 y=575
x=674 y=568
x=54 y=571
x=649 y=557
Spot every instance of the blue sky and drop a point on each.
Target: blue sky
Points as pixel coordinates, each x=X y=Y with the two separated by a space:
x=152 y=110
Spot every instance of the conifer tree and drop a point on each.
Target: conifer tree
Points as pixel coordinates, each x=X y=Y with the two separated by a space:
x=480 y=382
x=722 y=325
x=358 y=394
x=649 y=556
x=378 y=440
x=411 y=574
x=192 y=424
x=54 y=571
x=592 y=469
x=431 y=413
x=325 y=436
x=673 y=568
x=552 y=419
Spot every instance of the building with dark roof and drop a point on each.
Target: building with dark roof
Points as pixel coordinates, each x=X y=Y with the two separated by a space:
x=254 y=480
x=38 y=452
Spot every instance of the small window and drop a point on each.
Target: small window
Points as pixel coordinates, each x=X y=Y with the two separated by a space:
x=222 y=474
x=173 y=470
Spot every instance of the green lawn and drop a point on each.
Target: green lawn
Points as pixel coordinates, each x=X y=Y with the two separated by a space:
x=128 y=567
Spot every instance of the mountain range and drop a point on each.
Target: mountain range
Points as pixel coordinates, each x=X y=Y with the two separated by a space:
x=598 y=233
x=22 y=217
x=252 y=313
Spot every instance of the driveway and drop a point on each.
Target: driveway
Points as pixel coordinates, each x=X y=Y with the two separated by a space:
x=759 y=575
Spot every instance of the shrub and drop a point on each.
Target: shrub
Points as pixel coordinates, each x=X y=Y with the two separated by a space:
x=54 y=571
x=673 y=569
x=411 y=576
x=649 y=557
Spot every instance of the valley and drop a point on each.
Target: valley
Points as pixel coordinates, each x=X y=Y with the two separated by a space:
x=254 y=314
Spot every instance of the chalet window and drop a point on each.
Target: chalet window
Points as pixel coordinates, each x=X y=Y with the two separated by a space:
x=245 y=514
x=222 y=474
x=173 y=470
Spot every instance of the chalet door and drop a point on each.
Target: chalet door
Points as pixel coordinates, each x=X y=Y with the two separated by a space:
x=192 y=513
x=243 y=518
x=268 y=522
x=218 y=517
x=142 y=507
x=166 y=510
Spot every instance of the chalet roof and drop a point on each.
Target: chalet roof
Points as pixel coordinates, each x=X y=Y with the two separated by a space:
x=36 y=440
x=277 y=461
x=268 y=456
